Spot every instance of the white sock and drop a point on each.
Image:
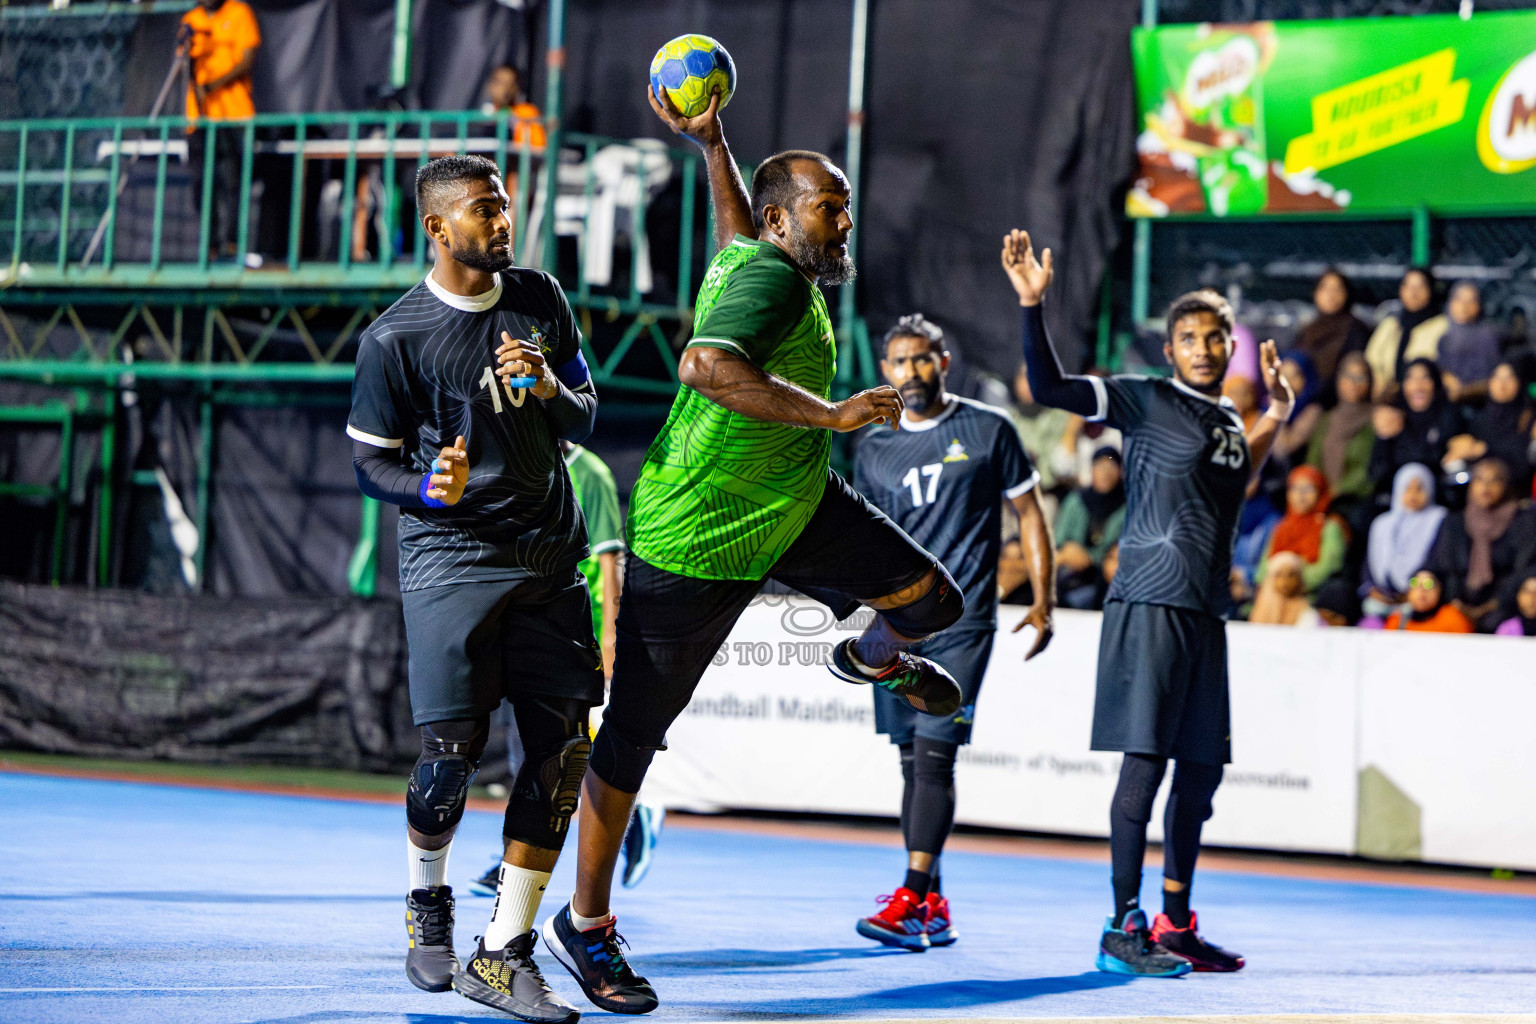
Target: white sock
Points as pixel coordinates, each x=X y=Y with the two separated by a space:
x=518 y=891
x=428 y=867
x=586 y=924
x=862 y=666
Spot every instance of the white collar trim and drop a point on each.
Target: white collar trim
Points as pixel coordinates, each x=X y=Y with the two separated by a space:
x=1223 y=401
x=929 y=424
x=468 y=303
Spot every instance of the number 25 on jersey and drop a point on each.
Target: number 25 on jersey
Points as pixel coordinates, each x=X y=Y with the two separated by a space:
x=488 y=380
x=1229 y=448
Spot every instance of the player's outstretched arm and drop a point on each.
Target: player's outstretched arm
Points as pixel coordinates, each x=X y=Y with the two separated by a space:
x=733 y=209
x=1262 y=437
x=739 y=385
x=1039 y=552
x=382 y=475
x=1030 y=279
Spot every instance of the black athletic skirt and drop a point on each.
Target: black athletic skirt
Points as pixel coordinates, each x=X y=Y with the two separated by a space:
x=1162 y=685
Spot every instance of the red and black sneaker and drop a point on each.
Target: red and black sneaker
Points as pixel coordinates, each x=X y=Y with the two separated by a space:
x=941 y=930
x=922 y=682
x=1187 y=943
x=903 y=922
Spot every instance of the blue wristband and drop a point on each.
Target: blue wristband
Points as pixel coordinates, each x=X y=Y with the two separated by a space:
x=426 y=483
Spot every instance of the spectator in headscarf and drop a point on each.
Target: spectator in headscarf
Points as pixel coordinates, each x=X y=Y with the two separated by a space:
x=1282 y=599
x=1417 y=425
x=1341 y=444
x=1480 y=548
x=1469 y=349
x=1305 y=383
x=1336 y=330
x=1502 y=427
x=1308 y=529
x=1523 y=621
x=1087 y=527
x=1411 y=333
x=1254 y=526
x=1428 y=610
x=1400 y=540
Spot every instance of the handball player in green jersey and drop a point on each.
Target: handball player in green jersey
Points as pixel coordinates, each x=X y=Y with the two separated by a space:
x=737 y=489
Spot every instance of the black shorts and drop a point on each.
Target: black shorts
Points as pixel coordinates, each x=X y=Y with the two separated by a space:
x=1162 y=685
x=964 y=652
x=670 y=626
x=474 y=643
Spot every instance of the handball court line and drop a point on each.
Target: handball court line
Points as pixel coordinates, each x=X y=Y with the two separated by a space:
x=1282 y=1018
x=1241 y=862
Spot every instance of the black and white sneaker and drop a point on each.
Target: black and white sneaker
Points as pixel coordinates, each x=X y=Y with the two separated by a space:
x=508 y=980
x=922 y=683
x=598 y=965
x=430 y=962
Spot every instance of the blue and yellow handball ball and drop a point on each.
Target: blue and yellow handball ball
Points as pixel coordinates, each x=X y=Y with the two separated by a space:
x=690 y=69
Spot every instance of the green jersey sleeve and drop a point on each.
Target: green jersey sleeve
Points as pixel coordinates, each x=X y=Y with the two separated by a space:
x=598 y=496
x=759 y=305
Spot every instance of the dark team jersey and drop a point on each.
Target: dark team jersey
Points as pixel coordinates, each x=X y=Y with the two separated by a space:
x=1186 y=473
x=943 y=481
x=426 y=373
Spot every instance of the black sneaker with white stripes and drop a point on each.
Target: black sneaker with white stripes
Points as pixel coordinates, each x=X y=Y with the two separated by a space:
x=510 y=981
x=598 y=965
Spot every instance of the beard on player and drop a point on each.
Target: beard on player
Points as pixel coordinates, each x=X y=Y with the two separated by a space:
x=918 y=394
x=829 y=263
x=493 y=256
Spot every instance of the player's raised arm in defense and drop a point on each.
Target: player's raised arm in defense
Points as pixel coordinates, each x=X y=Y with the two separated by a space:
x=1262 y=437
x=1030 y=279
x=1039 y=551
x=733 y=209
x=738 y=384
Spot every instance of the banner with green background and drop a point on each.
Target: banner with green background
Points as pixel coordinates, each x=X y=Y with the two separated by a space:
x=1360 y=116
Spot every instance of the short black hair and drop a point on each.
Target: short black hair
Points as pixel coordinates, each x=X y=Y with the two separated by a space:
x=774 y=184
x=914 y=325
x=1204 y=300
x=435 y=181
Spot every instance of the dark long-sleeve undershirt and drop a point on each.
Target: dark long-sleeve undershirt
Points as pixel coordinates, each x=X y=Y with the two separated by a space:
x=1047 y=383
x=384 y=476
x=572 y=412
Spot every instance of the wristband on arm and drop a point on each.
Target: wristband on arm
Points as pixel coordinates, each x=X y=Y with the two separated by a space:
x=426 y=484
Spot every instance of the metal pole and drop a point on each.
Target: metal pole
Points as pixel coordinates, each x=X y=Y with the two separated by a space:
x=400 y=56
x=858 y=60
x=1141 y=243
x=554 y=104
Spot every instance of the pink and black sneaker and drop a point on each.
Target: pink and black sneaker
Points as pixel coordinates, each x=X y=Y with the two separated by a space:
x=903 y=922
x=1187 y=943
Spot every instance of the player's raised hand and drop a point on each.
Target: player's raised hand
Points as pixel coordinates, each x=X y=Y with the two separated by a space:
x=877 y=405
x=521 y=358
x=1030 y=277
x=701 y=129
x=1280 y=391
x=1038 y=616
x=450 y=472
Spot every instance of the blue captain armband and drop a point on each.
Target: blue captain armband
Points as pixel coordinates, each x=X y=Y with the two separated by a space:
x=426 y=484
x=574 y=374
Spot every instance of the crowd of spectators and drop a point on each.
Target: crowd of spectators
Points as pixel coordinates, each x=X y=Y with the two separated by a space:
x=1398 y=495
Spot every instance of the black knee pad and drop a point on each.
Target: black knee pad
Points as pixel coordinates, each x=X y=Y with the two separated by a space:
x=450 y=756
x=1192 y=789
x=908 y=753
x=619 y=761
x=934 y=761
x=934 y=612
x=548 y=785
x=1140 y=776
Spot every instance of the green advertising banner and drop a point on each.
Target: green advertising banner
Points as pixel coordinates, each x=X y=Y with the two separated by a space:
x=1362 y=116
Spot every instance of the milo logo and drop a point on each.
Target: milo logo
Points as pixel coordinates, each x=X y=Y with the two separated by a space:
x=1225 y=71
x=1506 y=132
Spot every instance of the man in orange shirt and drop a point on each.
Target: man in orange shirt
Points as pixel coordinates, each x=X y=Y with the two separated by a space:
x=221 y=38
x=504 y=96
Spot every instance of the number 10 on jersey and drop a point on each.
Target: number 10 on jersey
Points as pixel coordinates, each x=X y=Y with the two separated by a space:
x=488 y=380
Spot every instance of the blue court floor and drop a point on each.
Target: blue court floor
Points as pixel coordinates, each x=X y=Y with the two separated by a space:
x=142 y=904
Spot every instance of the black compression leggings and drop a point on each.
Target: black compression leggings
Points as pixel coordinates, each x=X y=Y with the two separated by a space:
x=1189 y=806
x=927 y=794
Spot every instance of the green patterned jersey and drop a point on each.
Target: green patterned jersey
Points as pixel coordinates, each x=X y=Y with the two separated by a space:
x=721 y=496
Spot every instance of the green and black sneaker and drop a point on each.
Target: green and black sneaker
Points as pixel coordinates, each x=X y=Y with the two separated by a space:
x=508 y=980
x=921 y=683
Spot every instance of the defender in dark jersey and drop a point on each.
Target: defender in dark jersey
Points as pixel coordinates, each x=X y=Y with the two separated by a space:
x=943 y=478
x=1162 y=682
x=464 y=389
